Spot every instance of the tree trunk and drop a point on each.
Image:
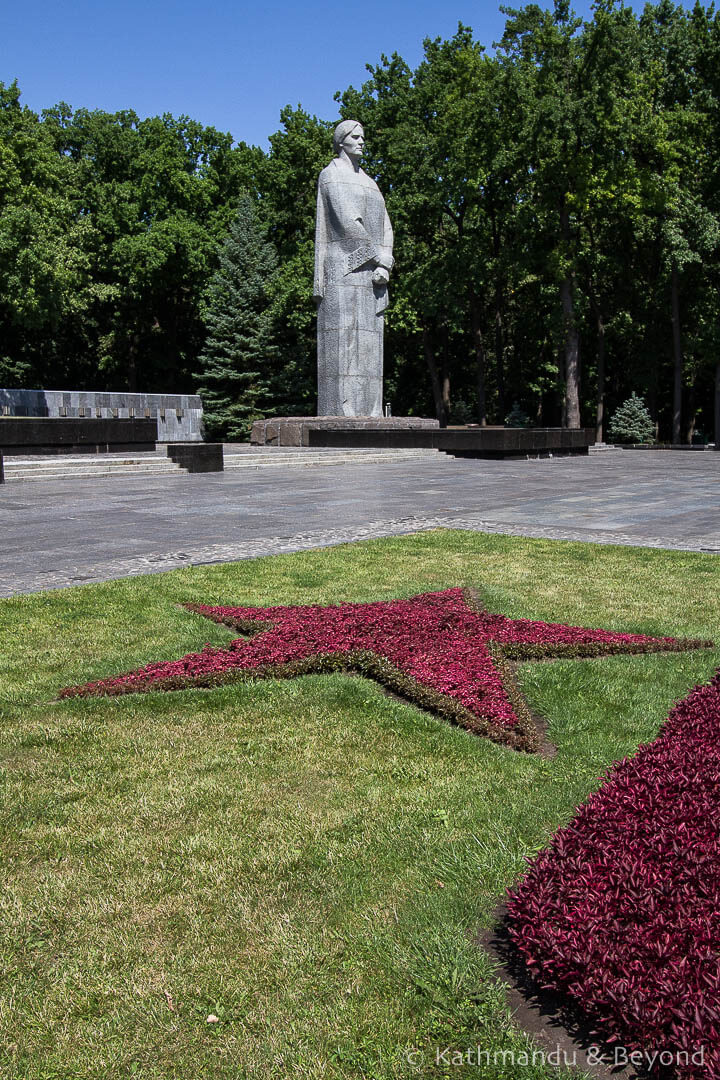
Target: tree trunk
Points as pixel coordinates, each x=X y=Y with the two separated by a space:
x=600 y=397
x=652 y=404
x=572 y=338
x=717 y=405
x=499 y=352
x=132 y=363
x=499 y=322
x=562 y=385
x=677 y=357
x=446 y=395
x=691 y=417
x=480 y=360
x=440 y=412
x=445 y=374
x=571 y=410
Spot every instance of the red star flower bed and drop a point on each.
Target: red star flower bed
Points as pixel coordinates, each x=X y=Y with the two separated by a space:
x=622 y=911
x=440 y=650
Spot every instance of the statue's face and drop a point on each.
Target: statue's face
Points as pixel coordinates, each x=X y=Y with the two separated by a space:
x=354 y=143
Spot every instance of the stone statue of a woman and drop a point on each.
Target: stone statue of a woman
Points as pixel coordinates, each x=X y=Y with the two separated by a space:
x=353 y=259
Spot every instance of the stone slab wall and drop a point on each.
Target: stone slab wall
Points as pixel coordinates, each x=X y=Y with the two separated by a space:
x=179 y=416
x=464 y=442
x=58 y=435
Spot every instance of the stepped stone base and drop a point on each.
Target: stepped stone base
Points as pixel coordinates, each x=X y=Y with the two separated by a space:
x=410 y=432
x=311 y=430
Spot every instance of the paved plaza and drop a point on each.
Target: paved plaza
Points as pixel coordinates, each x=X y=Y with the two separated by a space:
x=67 y=532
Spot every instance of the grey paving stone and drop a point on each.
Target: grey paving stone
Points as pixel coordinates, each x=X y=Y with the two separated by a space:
x=58 y=533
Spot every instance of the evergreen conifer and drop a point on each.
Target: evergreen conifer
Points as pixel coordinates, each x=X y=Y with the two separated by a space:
x=631 y=422
x=238 y=358
x=517 y=417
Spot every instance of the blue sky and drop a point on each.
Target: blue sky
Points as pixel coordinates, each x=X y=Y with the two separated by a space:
x=229 y=65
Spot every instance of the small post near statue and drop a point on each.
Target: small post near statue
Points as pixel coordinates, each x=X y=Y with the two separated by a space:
x=353 y=260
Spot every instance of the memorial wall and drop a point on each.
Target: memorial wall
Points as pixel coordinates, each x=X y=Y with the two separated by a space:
x=179 y=416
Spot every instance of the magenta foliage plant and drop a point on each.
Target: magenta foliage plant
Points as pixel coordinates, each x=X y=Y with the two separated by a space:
x=441 y=650
x=622 y=910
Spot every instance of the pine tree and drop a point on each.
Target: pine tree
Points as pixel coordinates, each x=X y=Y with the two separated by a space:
x=238 y=358
x=517 y=417
x=631 y=422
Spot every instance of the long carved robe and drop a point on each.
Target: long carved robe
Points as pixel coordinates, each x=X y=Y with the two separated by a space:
x=353 y=236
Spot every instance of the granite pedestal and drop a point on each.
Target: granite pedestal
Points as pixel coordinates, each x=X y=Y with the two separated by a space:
x=311 y=430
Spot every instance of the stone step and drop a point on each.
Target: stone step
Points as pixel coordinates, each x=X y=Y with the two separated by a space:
x=331 y=451
x=65 y=469
x=107 y=465
x=85 y=461
x=280 y=458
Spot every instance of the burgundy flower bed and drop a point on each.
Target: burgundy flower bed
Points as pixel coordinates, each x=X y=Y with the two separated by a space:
x=622 y=911
x=440 y=650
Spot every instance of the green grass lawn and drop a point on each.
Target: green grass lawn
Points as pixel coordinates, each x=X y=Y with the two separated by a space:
x=310 y=861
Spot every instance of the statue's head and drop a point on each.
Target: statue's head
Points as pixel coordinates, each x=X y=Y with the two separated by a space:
x=350 y=137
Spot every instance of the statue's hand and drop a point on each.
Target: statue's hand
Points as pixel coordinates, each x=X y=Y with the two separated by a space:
x=381 y=276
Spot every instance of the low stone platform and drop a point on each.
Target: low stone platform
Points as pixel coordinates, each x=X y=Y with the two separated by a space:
x=310 y=430
x=197 y=457
x=472 y=442
x=404 y=433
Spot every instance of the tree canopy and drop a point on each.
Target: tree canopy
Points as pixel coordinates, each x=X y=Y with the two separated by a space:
x=556 y=207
